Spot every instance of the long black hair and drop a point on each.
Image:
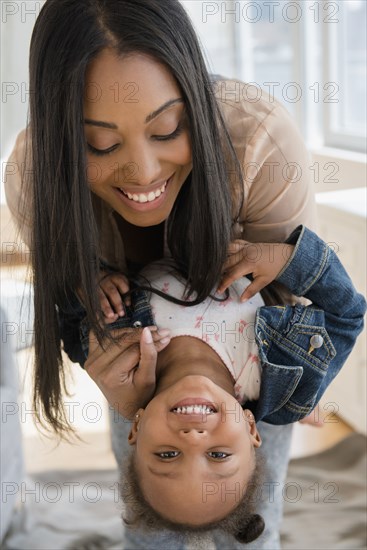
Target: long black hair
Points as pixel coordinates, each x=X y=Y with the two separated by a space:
x=67 y=36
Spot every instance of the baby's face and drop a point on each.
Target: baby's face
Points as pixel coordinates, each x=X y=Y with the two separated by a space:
x=194 y=451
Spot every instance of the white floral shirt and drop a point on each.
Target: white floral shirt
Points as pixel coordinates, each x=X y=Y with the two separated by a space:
x=226 y=326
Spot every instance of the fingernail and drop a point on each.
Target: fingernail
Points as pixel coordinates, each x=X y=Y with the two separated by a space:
x=121 y=313
x=147 y=336
x=164 y=332
x=110 y=315
x=165 y=340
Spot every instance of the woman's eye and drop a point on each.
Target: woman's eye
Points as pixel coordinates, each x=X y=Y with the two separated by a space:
x=218 y=455
x=100 y=152
x=174 y=134
x=166 y=455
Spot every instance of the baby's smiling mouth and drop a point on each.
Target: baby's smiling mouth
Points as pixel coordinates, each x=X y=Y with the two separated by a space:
x=194 y=409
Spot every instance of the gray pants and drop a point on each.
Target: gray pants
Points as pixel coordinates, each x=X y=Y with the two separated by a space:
x=274 y=449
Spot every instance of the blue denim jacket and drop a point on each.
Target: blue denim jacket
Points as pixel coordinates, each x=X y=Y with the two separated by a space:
x=301 y=348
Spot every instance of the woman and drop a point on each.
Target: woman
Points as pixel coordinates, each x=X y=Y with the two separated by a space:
x=136 y=153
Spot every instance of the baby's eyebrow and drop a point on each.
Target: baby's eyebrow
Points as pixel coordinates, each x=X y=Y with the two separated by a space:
x=170 y=475
x=211 y=475
x=229 y=474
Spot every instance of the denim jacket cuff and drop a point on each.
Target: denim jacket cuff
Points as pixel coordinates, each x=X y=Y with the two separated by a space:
x=307 y=262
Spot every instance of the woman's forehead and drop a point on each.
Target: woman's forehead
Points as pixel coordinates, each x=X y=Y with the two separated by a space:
x=108 y=69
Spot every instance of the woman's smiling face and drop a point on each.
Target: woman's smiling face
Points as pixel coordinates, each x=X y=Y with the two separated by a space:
x=139 y=150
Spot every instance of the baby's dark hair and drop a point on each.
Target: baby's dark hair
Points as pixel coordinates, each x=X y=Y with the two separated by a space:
x=242 y=522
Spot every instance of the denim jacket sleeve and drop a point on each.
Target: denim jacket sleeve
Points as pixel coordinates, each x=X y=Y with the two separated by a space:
x=302 y=348
x=74 y=327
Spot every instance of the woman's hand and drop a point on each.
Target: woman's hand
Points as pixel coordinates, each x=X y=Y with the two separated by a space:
x=263 y=260
x=125 y=371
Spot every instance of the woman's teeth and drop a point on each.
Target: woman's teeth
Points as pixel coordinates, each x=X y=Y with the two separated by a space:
x=194 y=409
x=145 y=197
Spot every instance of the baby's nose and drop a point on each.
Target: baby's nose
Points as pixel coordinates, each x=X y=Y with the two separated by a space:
x=193 y=432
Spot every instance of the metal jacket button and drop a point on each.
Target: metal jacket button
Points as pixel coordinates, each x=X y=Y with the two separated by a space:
x=316 y=342
x=137 y=324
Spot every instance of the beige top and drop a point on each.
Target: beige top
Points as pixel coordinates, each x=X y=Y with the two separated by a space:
x=279 y=192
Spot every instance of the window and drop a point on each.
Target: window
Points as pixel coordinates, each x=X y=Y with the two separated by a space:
x=309 y=54
x=345 y=64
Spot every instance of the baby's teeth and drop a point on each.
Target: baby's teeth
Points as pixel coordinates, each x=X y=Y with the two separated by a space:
x=135 y=198
x=151 y=196
x=194 y=409
x=158 y=192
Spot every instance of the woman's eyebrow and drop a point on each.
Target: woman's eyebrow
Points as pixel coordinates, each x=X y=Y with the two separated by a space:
x=163 y=108
x=149 y=118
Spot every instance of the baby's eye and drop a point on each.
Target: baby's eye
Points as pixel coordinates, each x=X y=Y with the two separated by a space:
x=218 y=455
x=166 y=455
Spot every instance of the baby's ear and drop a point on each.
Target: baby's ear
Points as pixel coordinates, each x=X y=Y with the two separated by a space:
x=132 y=437
x=253 y=529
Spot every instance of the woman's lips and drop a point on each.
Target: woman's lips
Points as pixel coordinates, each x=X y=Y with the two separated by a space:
x=145 y=201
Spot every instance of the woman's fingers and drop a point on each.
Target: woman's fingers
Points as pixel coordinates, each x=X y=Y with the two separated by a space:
x=145 y=373
x=125 y=338
x=129 y=336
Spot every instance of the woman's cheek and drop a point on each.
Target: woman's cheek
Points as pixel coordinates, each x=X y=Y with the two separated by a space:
x=186 y=151
x=177 y=152
x=95 y=174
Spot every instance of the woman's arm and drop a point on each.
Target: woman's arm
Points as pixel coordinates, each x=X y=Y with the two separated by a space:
x=278 y=180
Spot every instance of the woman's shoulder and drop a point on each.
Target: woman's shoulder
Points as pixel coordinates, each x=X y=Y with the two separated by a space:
x=250 y=111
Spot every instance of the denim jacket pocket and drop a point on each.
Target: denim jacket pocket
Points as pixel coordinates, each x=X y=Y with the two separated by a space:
x=278 y=384
x=295 y=336
x=311 y=344
x=287 y=393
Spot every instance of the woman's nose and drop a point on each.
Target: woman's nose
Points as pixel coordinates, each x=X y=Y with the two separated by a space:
x=142 y=167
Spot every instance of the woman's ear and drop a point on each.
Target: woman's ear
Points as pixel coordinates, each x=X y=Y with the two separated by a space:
x=254 y=434
x=133 y=435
